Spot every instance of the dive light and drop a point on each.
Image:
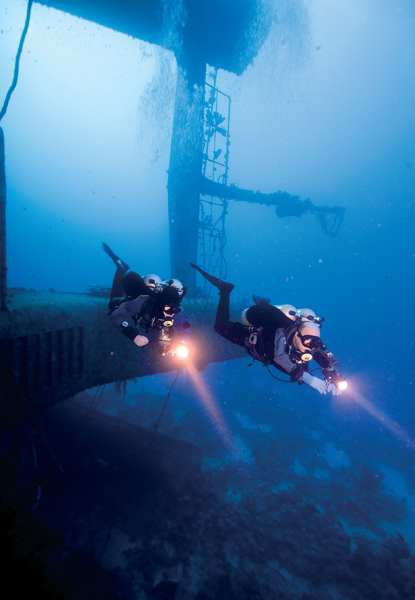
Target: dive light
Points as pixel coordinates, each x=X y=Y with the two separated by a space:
x=332 y=376
x=167 y=345
x=181 y=351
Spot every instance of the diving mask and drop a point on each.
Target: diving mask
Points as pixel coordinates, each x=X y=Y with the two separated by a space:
x=313 y=342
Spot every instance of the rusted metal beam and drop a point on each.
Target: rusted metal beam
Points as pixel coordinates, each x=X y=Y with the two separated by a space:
x=286 y=205
x=283 y=201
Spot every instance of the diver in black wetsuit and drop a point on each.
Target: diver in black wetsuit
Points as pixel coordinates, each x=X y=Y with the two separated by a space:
x=140 y=305
x=275 y=338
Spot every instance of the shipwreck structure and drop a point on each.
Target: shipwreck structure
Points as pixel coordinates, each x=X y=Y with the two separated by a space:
x=55 y=345
x=225 y=34
x=52 y=346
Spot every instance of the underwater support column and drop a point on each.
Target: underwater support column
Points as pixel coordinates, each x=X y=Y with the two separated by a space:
x=3 y=264
x=184 y=178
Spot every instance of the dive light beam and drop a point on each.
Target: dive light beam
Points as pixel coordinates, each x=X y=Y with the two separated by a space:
x=210 y=406
x=392 y=426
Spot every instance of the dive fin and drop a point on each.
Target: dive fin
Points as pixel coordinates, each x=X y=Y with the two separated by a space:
x=222 y=286
x=117 y=261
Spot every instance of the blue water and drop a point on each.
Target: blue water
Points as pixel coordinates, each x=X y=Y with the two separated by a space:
x=301 y=496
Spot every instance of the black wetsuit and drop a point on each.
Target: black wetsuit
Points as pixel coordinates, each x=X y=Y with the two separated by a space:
x=269 y=340
x=135 y=309
x=128 y=315
x=129 y=284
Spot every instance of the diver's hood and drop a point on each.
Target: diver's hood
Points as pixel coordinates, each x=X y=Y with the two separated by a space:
x=168 y=297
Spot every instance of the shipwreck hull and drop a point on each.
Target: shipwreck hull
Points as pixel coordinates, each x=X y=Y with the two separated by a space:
x=56 y=345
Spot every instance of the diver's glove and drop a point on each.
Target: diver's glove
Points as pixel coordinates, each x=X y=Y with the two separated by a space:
x=140 y=340
x=314 y=382
x=334 y=390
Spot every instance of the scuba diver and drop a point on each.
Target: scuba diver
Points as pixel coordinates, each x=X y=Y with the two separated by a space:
x=140 y=305
x=278 y=336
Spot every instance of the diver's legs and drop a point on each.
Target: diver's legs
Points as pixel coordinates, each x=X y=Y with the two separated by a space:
x=127 y=284
x=233 y=332
x=134 y=285
x=222 y=313
x=117 y=290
